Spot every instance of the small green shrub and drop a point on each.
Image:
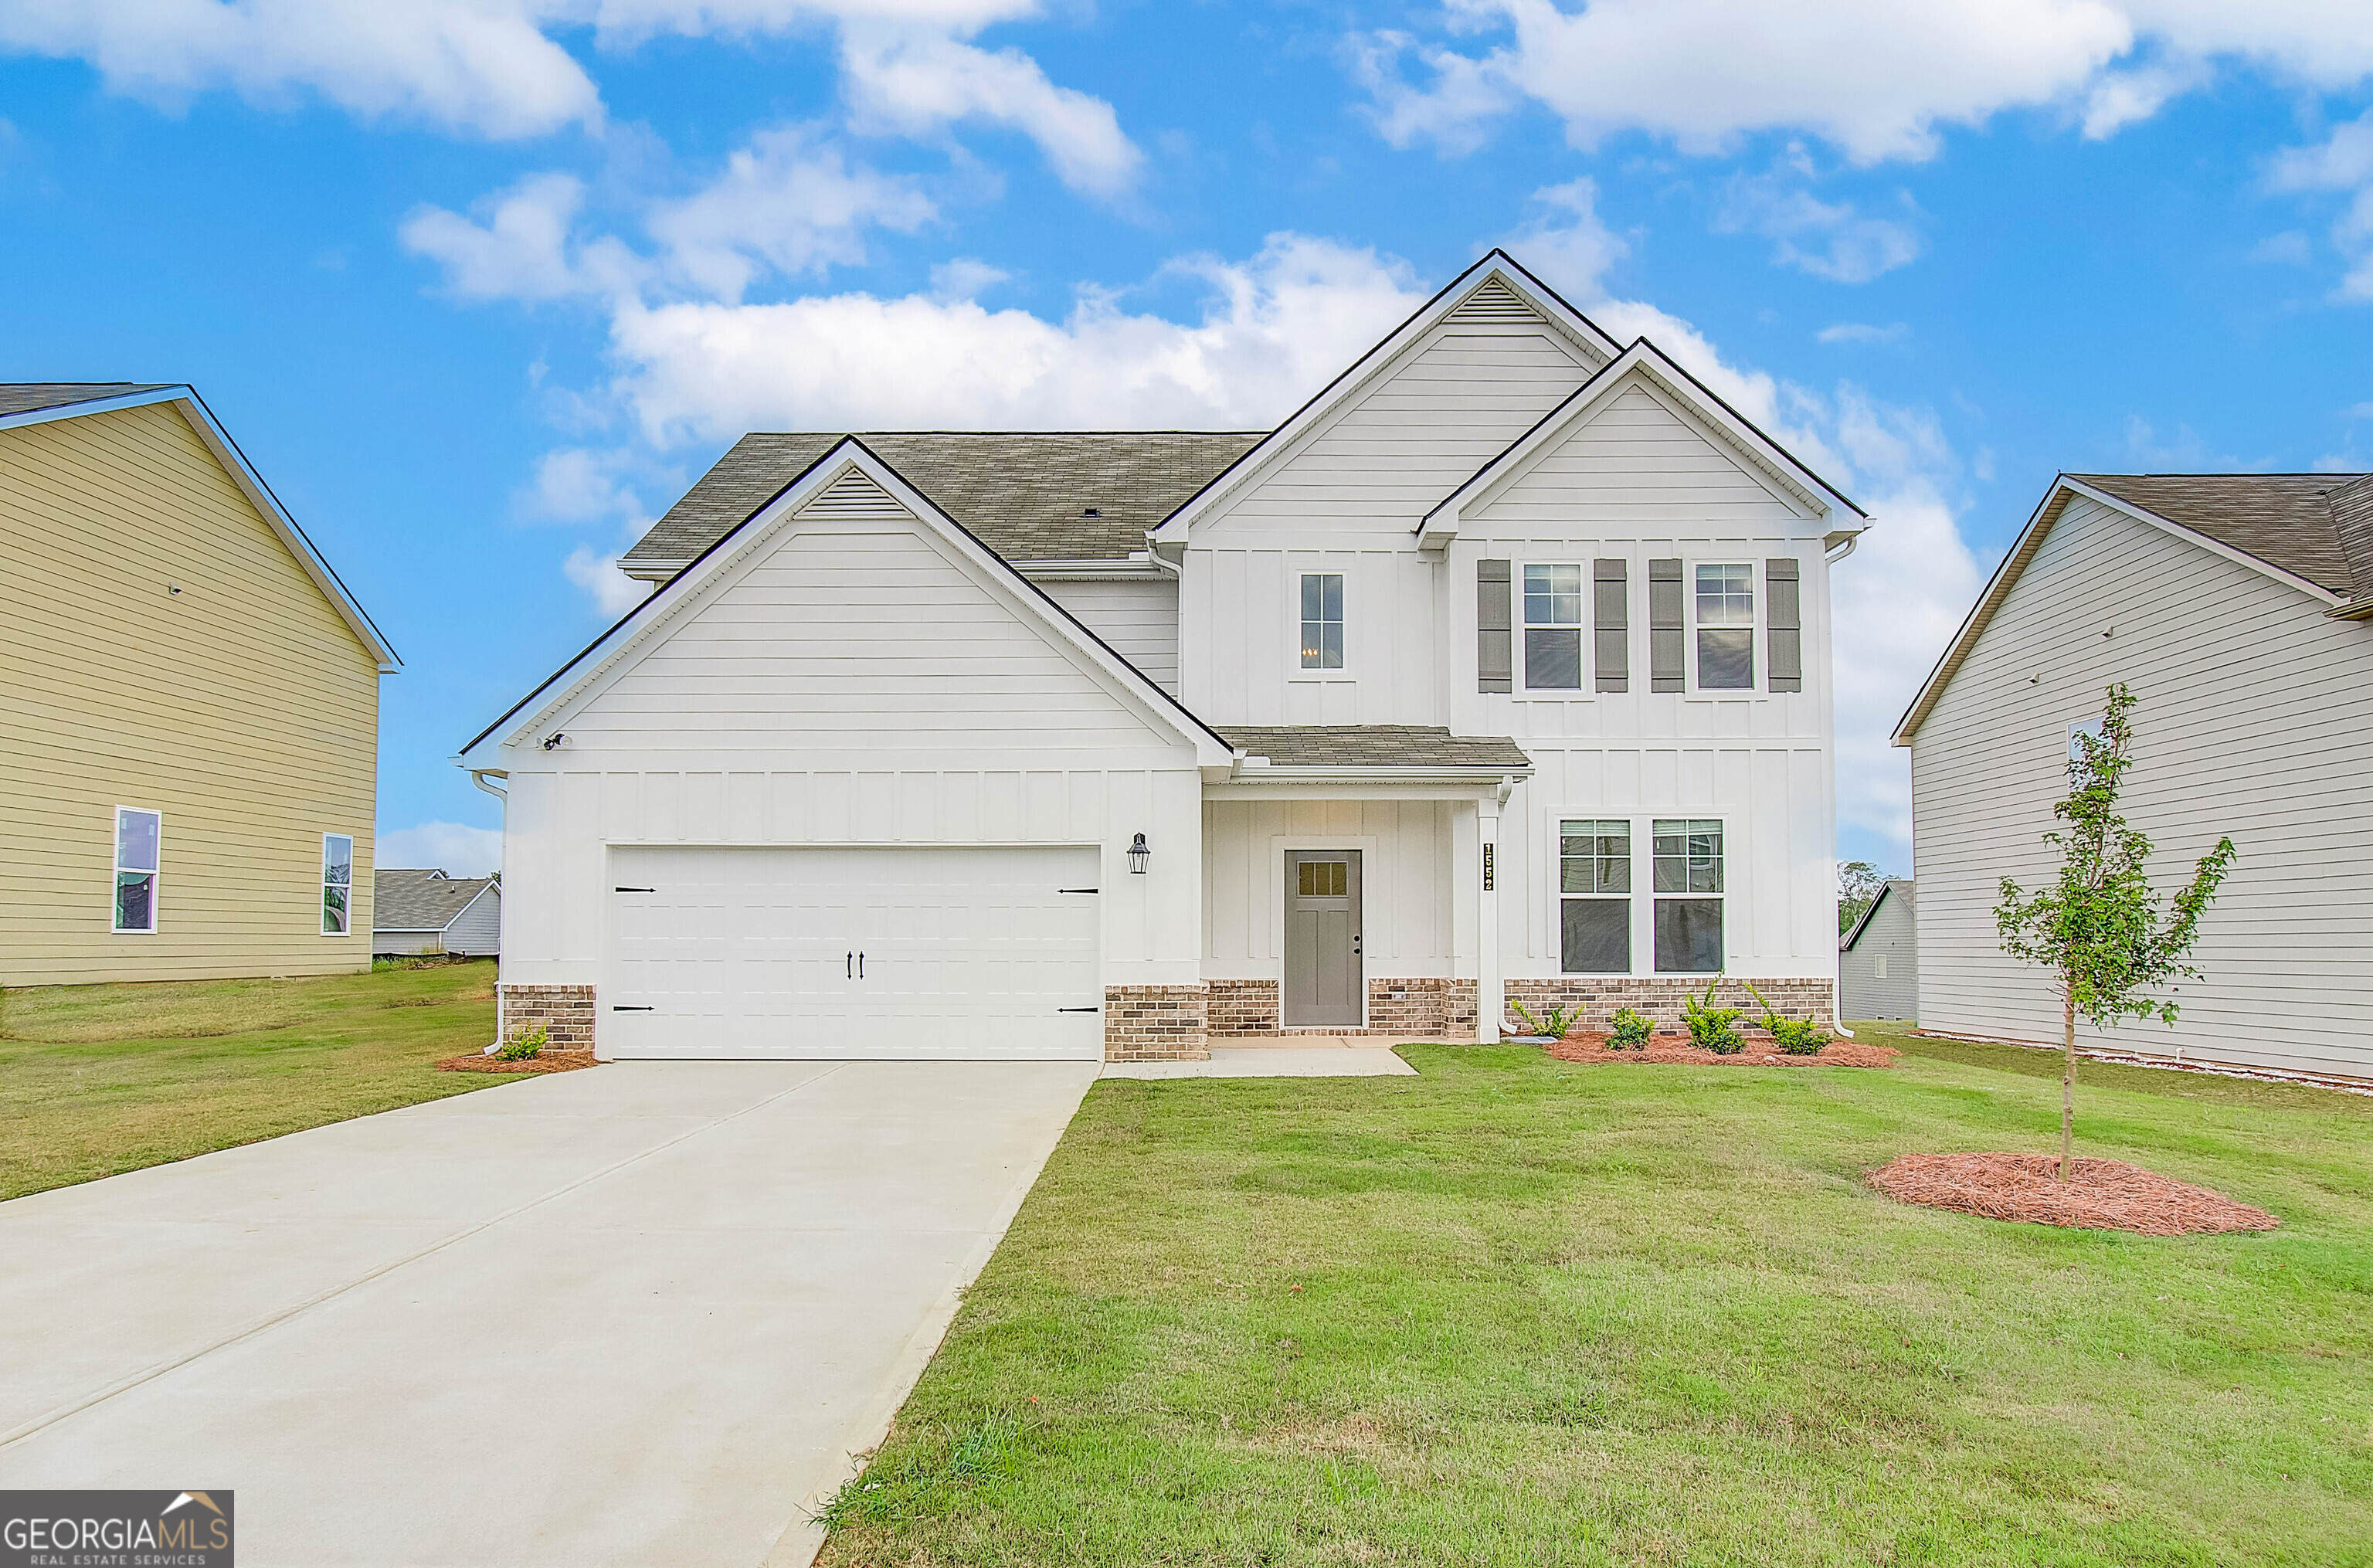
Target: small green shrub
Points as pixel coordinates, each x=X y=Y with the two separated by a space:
x=1794 y=1036
x=1630 y=1030
x=1555 y=1022
x=1710 y=1026
x=525 y=1042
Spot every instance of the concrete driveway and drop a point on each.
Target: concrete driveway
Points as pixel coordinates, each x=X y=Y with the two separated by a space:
x=638 y=1315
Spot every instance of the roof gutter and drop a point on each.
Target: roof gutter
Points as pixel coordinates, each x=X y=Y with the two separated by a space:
x=2354 y=610
x=1257 y=769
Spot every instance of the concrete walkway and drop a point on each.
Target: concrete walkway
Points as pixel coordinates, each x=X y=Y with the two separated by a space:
x=636 y=1315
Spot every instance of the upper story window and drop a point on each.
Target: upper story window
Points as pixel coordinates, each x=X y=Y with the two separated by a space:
x=138 y=841
x=1726 y=604
x=1553 y=601
x=1322 y=620
x=337 y=882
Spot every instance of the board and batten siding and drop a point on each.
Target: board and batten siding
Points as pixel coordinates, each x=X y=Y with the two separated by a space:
x=851 y=681
x=1636 y=479
x=243 y=708
x=1137 y=620
x=1348 y=498
x=1404 y=871
x=2253 y=718
x=1879 y=977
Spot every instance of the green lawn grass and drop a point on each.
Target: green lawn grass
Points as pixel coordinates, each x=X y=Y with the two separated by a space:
x=94 y=1080
x=1521 y=1311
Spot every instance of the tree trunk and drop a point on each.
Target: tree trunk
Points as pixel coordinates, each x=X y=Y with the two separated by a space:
x=2067 y=1082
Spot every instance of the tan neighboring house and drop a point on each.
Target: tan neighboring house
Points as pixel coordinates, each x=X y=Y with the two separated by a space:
x=189 y=705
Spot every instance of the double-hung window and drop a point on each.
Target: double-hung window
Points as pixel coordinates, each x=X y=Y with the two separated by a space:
x=1688 y=892
x=138 y=836
x=1594 y=898
x=1553 y=601
x=337 y=882
x=1322 y=620
x=1725 y=599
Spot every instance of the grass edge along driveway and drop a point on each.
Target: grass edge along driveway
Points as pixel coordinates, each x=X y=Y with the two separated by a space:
x=1520 y=1311
x=99 y=1080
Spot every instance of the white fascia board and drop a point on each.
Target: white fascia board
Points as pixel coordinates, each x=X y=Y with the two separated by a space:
x=1170 y=535
x=2213 y=546
x=612 y=648
x=1808 y=491
x=259 y=495
x=2030 y=539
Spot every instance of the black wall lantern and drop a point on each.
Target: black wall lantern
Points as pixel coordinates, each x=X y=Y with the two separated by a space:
x=1138 y=855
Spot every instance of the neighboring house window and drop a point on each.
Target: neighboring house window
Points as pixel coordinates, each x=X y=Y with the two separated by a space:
x=1689 y=886
x=1595 y=905
x=1878 y=966
x=1322 y=620
x=337 y=882
x=1553 y=628
x=137 y=840
x=1725 y=627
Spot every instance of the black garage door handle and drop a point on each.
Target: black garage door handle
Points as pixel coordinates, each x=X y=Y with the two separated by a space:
x=621 y=1008
x=1079 y=1010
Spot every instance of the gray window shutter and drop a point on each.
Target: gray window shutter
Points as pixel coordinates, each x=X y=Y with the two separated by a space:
x=1495 y=663
x=1667 y=652
x=1611 y=618
x=1787 y=627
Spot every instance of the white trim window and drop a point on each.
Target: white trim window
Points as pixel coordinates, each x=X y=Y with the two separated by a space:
x=139 y=851
x=1687 y=879
x=1594 y=898
x=1322 y=620
x=1725 y=626
x=1553 y=601
x=337 y=884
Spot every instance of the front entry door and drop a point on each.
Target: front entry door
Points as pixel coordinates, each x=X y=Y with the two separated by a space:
x=1323 y=973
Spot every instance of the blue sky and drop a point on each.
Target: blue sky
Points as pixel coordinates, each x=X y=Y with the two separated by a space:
x=482 y=285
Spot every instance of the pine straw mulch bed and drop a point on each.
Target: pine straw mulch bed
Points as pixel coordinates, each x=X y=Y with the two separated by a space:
x=1674 y=1049
x=2105 y=1195
x=543 y=1062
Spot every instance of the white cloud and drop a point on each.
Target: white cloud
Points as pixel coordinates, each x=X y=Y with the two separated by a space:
x=612 y=591
x=965 y=277
x=1272 y=328
x=915 y=82
x=1828 y=240
x=578 y=484
x=452 y=848
x=2290 y=248
x=2343 y=162
x=787 y=202
x=1564 y=243
x=1864 y=331
x=523 y=248
x=1877 y=78
x=477 y=65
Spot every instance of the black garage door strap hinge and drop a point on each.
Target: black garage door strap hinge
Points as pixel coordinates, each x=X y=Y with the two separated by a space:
x=618 y=1007
x=634 y=890
x=1079 y=1010
x=1075 y=890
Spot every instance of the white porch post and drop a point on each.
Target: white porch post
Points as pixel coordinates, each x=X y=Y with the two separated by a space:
x=1491 y=1001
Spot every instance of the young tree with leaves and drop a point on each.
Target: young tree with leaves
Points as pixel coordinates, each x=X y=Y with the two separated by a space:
x=2100 y=928
x=1859 y=886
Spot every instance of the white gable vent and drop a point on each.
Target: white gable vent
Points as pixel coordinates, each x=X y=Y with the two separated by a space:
x=855 y=494
x=1493 y=302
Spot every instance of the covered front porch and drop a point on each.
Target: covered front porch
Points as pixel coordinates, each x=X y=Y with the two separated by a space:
x=1350 y=884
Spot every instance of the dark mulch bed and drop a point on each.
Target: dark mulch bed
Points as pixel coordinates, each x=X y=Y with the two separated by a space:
x=1581 y=1046
x=543 y=1062
x=2105 y=1195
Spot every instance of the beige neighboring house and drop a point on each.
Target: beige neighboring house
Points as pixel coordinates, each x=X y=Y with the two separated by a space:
x=2239 y=608
x=419 y=914
x=189 y=704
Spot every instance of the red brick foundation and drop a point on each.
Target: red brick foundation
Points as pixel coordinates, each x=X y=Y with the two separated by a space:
x=565 y=1012
x=1243 y=1007
x=1400 y=1007
x=1156 y=1023
x=1660 y=998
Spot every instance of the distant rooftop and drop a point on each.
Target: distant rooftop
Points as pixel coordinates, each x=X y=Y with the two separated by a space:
x=2317 y=526
x=26 y=397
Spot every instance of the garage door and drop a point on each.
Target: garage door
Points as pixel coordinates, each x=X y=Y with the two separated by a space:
x=914 y=954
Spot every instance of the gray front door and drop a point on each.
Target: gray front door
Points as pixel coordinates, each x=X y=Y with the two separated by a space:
x=1322 y=939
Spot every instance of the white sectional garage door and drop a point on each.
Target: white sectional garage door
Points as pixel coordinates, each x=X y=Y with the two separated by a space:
x=909 y=953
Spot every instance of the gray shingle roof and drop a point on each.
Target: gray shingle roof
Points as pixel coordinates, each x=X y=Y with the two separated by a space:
x=2284 y=520
x=422 y=900
x=1022 y=495
x=23 y=397
x=1375 y=745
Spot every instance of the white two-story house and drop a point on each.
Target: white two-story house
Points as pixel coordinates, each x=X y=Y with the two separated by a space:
x=1499 y=671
